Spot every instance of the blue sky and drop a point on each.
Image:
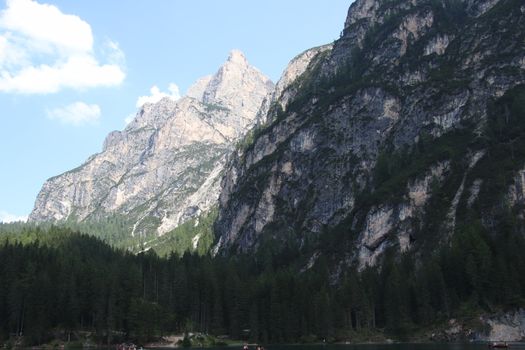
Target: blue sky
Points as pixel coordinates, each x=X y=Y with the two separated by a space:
x=72 y=71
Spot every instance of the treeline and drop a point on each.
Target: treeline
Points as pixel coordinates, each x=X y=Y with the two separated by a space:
x=72 y=282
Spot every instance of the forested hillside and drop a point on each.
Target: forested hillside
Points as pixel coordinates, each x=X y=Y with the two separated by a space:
x=381 y=195
x=63 y=282
x=410 y=127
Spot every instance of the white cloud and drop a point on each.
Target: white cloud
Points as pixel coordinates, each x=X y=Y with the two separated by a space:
x=11 y=55
x=113 y=53
x=6 y=217
x=43 y=50
x=47 y=23
x=77 y=114
x=129 y=119
x=76 y=72
x=157 y=95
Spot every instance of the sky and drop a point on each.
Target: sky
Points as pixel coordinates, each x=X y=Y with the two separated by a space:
x=73 y=71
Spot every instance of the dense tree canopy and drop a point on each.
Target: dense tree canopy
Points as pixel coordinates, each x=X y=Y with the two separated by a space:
x=64 y=282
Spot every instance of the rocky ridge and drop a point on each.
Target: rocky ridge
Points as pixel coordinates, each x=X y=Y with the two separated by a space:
x=165 y=166
x=383 y=141
x=497 y=327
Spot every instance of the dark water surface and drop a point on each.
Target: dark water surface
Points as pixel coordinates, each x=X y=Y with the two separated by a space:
x=397 y=346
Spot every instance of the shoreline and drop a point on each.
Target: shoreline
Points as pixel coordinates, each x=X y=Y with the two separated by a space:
x=393 y=342
x=253 y=345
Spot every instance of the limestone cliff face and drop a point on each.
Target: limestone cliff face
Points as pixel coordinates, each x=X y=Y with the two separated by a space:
x=165 y=166
x=381 y=142
x=288 y=85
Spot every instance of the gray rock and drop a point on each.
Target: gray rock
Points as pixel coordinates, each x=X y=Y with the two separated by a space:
x=165 y=166
x=397 y=79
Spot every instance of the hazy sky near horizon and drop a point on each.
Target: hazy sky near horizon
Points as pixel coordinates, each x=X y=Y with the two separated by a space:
x=73 y=71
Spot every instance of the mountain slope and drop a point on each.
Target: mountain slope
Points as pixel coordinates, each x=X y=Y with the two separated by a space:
x=387 y=139
x=165 y=167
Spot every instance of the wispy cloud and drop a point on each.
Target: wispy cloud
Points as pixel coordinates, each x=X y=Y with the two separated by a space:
x=77 y=114
x=113 y=53
x=6 y=217
x=157 y=95
x=43 y=50
x=129 y=119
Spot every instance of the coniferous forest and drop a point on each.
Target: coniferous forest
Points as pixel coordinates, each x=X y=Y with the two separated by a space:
x=401 y=145
x=60 y=282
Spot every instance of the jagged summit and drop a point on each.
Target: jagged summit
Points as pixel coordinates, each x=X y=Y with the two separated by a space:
x=237 y=86
x=237 y=56
x=285 y=89
x=388 y=141
x=197 y=90
x=164 y=167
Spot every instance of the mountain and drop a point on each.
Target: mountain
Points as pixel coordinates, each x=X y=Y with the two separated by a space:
x=165 y=167
x=378 y=194
x=405 y=131
x=409 y=129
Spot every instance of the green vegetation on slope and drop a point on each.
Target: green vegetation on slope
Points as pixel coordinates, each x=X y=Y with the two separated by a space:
x=115 y=231
x=195 y=235
x=73 y=282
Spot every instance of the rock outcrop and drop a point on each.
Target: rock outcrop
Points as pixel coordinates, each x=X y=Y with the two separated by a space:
x=498 y=327
x=506 y=327
x=381 y=140
x=165 y=166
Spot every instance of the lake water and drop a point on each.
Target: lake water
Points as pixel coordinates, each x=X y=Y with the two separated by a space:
x=399 y=346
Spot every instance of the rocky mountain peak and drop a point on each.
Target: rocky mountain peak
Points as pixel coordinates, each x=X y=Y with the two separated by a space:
x=368 y=12
x=197 y=90
x=361 y=10
x=237 y=57
x=153 y=115
x=285 y=90
x=354 y=161
x=238 y=86
x=164 y=167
